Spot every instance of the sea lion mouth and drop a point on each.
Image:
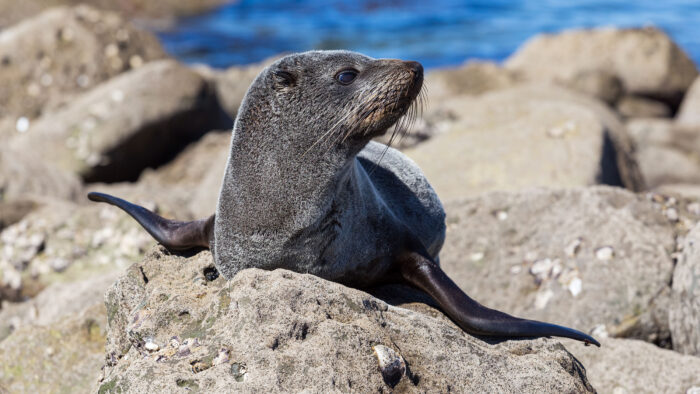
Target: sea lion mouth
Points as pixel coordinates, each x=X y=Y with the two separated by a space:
x=397 y=101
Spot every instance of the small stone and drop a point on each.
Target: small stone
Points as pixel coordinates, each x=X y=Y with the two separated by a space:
x=22 y=124
x=151 y=346
x=221 y=358
x=136 y=61
x=117 y=96
x=572 y=249
x=476 y=256
x=693 y=390
x=59 y=264
x=561 y=131
x=239 y=372
x=600 y=331
x=46 y=79
x=542 y=298
x=501 y=215
x=694 y=208
x=575 y=286
x=391 y=364
x=516 y=269
x=605 y=253
x=672 y=214
x=111 y=50
x=83 y=80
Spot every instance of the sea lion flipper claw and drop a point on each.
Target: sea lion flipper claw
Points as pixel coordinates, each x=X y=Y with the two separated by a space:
x=174 y=235
x=471 y=316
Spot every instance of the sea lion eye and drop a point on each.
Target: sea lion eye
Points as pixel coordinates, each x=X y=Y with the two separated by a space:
x=346 y=76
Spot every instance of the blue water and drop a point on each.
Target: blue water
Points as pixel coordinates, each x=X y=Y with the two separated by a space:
x=434 y=32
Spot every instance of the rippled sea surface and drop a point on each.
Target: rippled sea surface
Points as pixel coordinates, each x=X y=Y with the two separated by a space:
x=434 y=32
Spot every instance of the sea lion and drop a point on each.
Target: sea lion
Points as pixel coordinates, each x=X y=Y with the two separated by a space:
x=306 y=190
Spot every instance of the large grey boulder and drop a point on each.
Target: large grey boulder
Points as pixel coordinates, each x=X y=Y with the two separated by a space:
x=646 y=60
x=527 y=136
x=589 y=258
x=47 y=59
x=667 y=153
x=632 y=366
x=139 y=119
x=684 y=314
x=174 y=325
x=23 y=176
x=689 y=112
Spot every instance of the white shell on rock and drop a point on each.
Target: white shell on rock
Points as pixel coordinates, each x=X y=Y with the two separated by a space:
x=605 y=253
x=391 y=364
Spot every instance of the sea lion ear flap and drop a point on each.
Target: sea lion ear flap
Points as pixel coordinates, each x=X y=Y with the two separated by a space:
x=284 y=79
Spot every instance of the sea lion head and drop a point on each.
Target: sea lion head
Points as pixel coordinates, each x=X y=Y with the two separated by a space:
x=331 y=99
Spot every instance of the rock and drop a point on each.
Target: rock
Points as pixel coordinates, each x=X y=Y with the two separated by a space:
x=64 y=242
x=689 y=112
x=640 y=107
x=48 y=59
x=442 y=86
x=631 y=366
x=647 y=61
x=687 y=190
x=186 y=188
x=582 y=257
x=65 y=357
x=56 y=302
x=12 y=212
x=527 y=136
x=23 y=177
x=472 y=78
x=684 y=314
x=164 y=10
x=600 y=84
x=666 y=153
x=279 y=331
x=233 y=83
x=139 y=119
x=196 y=173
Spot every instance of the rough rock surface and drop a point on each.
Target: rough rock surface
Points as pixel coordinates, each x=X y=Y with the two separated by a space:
x=587 y=258
x=631 y=366
x=684 y=314
x=62 y=358
x=600 y=84
x=472 y=78
x=22 y=176
x=47 y=59
x=527 y=136
x=232 y=84
x=641 y=107
x=647 y=61
x=58 y=301
x=12 y=11
x=114 y=131
x=689 y=112
x=171 y=326
x=62 y=242
x=666 y=152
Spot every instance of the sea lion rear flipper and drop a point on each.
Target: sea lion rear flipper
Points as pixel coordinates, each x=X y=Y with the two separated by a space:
x=174 y=235
x=471 y=316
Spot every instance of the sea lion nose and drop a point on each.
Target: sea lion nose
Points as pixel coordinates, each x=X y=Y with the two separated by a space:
x=416 y=67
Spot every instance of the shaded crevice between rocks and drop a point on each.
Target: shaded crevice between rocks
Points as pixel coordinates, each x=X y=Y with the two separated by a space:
x=161 y=141
x=609 y=169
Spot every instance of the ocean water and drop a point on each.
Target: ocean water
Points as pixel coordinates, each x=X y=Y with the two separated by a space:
x=434 y=32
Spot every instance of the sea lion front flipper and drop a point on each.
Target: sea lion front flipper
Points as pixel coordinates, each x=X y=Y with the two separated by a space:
x=174 y=235
x=471 y=316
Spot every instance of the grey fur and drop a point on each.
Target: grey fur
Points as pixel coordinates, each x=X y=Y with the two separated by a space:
x=305 y=190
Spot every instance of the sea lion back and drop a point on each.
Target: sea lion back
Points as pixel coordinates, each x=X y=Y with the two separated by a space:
x=406 y=192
